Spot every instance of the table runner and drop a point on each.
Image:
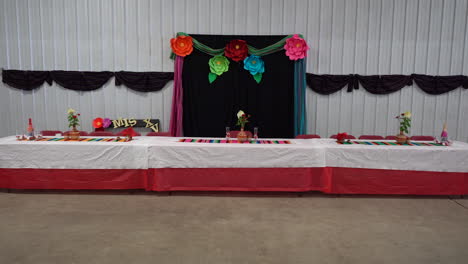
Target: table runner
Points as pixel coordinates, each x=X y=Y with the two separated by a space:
x=390 y=143
x=234 y=141
x=84 y=139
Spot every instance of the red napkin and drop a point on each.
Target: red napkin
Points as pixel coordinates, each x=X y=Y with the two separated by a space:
x=129 y=132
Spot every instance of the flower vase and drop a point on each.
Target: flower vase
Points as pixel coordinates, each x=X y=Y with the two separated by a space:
x=242 y=136
x=74 y=134
x=401 y=138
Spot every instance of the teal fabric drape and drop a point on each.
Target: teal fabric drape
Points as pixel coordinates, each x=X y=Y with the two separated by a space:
x=300 y=121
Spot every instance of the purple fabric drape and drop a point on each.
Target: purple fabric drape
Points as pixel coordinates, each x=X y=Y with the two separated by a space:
x=175 y=126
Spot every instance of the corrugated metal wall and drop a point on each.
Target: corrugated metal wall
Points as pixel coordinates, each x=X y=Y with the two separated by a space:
x=353 y=36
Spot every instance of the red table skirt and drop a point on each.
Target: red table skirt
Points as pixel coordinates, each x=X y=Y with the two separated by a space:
x=73 y=179
x=327 y=180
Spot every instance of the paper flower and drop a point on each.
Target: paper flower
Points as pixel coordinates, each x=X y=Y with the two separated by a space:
x=97 y=122
x=296 y=48
x=182 y=45
x=106 y=123
x=218 y=64
x=254 y=64
x=236 y=50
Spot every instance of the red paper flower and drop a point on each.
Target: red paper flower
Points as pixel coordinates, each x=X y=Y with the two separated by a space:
x=97 y=123
x=236 y=50
x=341 y=136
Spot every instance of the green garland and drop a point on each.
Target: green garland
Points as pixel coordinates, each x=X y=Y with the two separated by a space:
x=275 y=47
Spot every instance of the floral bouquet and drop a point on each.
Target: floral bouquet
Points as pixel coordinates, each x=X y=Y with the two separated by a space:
x=405 y=121
x=73 y=120
x=242 y=119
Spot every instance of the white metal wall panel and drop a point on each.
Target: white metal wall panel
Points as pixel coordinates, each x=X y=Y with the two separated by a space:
x=353 y=36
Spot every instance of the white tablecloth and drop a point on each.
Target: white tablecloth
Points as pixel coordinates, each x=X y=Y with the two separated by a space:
x=167 y=152
x=74 y=155
x=421 y=158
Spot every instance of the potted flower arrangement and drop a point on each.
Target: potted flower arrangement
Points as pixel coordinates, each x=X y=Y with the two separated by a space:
x=405 y=124
x=73 y=121
x=242 y=119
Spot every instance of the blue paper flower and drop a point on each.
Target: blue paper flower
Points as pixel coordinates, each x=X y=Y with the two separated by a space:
x=254 y=64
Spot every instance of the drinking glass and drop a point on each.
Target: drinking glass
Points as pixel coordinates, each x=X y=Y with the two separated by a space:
x=18 y=135
x=228 y=133
x=255 y=133
x=38 y=134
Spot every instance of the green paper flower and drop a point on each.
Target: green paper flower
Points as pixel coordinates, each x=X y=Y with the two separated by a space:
x=218 y=64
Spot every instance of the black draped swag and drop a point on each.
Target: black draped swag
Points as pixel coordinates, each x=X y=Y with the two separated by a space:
x=154 y=81
x=26 y=80
x=384 y=84
x=143 y=81
x=87 y=81
x=81 y=81
x=209 y=108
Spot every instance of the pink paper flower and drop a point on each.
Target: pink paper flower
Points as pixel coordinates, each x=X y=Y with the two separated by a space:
x=296 y=48
x=106 y=123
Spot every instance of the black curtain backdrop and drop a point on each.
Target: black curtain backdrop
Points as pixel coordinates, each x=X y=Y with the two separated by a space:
x=209 y=108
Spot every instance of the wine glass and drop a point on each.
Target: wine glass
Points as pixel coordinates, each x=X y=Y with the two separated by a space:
x=228 y=133
x=255 y=135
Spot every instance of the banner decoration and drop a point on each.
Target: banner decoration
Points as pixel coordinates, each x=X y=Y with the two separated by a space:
x=126 y=122
x=239 y=50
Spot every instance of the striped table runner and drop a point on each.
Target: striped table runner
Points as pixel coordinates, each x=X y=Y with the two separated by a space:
x=224 y=141
x=389 y=143
x=85 y=139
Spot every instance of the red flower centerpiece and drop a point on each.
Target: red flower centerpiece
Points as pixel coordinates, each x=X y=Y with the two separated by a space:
x=182 y=45
x=340 y=137
x=236 y=50
x=242 y=119
x=73 y=121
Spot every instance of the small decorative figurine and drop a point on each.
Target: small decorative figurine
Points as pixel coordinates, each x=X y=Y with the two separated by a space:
x=444 y=134
x=444 y=140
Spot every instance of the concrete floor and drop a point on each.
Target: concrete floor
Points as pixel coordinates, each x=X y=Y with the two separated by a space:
x=118 y=227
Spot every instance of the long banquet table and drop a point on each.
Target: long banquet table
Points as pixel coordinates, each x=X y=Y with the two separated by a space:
x=166 y=164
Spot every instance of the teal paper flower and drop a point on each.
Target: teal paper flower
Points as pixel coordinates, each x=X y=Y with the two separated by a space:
x=254 y=64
